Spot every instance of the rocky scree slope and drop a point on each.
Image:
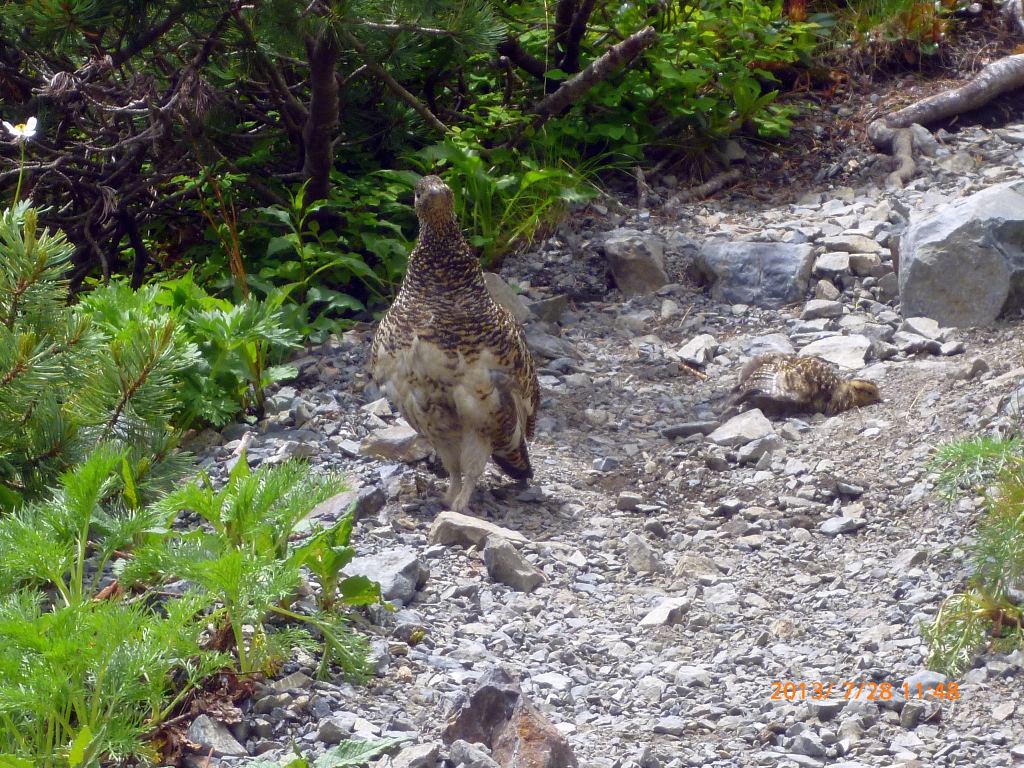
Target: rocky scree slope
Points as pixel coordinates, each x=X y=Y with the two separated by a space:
x=688 y=564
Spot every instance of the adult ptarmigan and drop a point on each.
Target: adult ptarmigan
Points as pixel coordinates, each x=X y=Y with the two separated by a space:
x=453 y=361
x=780 y=384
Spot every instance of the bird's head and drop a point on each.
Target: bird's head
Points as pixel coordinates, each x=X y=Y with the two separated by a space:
x=864 y=392
x=435 y=203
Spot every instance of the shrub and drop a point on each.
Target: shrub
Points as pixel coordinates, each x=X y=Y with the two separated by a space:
x=989 y=612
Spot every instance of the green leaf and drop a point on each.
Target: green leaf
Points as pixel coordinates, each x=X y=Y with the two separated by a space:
x=354 y=753
x=359 y=590
x=77 y=755
x=130 y=492
x=278 y=244
x=13 y=761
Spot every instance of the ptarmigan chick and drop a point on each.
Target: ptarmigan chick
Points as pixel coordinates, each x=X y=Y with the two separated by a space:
x=453 y=361
x=780 y=384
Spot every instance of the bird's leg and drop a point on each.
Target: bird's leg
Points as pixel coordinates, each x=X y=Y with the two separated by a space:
x=450 y=459
x=475 y=453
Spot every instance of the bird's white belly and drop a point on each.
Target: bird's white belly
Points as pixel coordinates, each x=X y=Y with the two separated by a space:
x=437 y=391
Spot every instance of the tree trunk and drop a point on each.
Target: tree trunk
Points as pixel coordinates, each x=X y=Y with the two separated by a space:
x=318 y=134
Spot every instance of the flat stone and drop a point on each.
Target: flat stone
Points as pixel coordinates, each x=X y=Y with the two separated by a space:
x=742 y=429
x=851 y=244
x=504 y=296
x=832 y=265
x=505 y=564
x=771 y=343
x=673 y=725
x=398 y=443
x=417 y=756
x=689 y=428
x=838 y=525
x=546 y=345
x=818 y=308
x=922 y=326
x=455 y=528
x=669 y=612
x=844 y=351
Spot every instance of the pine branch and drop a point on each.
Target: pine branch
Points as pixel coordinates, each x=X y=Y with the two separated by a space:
x=396 y=87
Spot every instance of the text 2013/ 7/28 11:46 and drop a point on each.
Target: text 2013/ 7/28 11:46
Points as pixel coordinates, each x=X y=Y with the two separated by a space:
x=818 y=691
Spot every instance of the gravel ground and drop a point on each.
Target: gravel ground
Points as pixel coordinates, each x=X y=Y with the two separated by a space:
x=810 y=564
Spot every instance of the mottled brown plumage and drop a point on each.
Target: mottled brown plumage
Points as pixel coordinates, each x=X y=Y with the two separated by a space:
x=779 y=384
x=453 y=361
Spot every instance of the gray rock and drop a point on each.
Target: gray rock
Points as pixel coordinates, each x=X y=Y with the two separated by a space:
x=964 y=265
x=628 y=500
x=851 y=244
x=922 y=326
x=837 y=525
x=926 y=679
x=771 y=343
x=398 y=443
x=685 y=430
x=546 y=345
x=669 y=612
x=333 y=730
x=818 y=308
x=768 y=275
x=911 y=343
x=832 y=265
x=754 y=450
x=700 y=350
x=417 y=756
x=455 y=528
x=281 y=401
x=844 y=351
x=214 y=735
x=862 y=264
x=808 y=743
x=824 y=289
x=673 y=725
x=399 y=572
x=471 y=755
x=636 y=260
x=640 y=558
x=742 y=429
x=888 y=287
x=825 y=709
x=550 y=310
x=607 y=464
x=504 y=296
x=506 y=565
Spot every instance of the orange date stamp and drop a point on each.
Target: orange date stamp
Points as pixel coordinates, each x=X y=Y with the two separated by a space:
x=790 y=691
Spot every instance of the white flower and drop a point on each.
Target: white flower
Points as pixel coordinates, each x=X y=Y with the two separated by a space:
x=22 y=132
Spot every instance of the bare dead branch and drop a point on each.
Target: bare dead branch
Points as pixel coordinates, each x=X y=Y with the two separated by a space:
x=598 y=70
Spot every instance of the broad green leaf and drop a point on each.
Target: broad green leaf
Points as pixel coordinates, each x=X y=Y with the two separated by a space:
x=355 y=753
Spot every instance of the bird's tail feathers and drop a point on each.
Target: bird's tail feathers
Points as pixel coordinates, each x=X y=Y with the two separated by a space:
x=515 y=463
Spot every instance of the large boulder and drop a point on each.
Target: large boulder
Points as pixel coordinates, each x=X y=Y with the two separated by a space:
x=769 y=275
x=964 y=265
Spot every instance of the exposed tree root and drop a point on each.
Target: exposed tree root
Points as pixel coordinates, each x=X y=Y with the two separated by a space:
x=892 y=133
